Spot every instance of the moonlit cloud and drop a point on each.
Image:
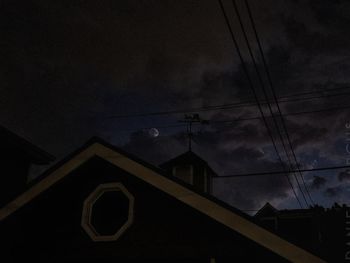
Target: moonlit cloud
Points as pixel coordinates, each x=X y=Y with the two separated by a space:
x=67 y=67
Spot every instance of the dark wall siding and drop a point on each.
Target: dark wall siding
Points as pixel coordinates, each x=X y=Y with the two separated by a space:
x=14 y=169
x=48 y=228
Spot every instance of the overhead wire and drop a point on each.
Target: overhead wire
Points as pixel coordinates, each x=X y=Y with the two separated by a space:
x=268 y=74
x=248 y=103
x=281 y=172
x=261 y=81
x=255 y=95
x=211 y=122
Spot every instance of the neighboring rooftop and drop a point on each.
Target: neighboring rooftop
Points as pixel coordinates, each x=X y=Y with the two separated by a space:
x=10 y=140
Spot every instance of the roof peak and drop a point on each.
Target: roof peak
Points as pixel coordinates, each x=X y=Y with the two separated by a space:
x=188 y=156
x=231 y=217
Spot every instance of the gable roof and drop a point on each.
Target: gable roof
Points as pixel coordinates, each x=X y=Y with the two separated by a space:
x=215 y=209
x=12 y=140
x=266 y=210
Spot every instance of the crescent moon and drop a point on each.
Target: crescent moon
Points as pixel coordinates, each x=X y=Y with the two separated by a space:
x=153 y=132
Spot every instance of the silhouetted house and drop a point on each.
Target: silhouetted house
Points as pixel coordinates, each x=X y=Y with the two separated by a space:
x=101 y=204
x=267 y=216
x=191 y=169
x=320 y=230
x=16 y=157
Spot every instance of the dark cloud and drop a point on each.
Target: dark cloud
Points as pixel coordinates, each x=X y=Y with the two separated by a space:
x=67 y=66
x=246 y=192
x=344 y=176
x=318 y=182
x=332 y=14
x=155 y=150
x=303 y=133
x=253 y=192
x=333 y=191
x=302 y=37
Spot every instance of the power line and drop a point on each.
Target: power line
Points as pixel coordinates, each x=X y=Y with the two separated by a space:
x=275 y=96
x=248 y=103
x=171 y=126
x=281 y=172
x=286 y=114
x=255 y=95
x=324 y=91
x=266 y=96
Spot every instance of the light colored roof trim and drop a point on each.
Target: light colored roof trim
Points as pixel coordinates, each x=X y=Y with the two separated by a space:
x=202 y=204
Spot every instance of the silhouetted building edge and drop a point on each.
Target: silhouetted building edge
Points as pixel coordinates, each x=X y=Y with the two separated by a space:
x=17 y=155
x=191 y=169
x=228 y=216
x=35 y=154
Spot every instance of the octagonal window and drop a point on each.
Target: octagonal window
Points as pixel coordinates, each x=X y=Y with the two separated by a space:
x=107 y=212
x=110 y=212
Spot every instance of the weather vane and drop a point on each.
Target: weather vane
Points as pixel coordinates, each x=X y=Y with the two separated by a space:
x=189 y=119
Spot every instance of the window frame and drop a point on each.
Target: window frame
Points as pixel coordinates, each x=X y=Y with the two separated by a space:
x=88 y=209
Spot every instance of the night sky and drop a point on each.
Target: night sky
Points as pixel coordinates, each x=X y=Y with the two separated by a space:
x=70 y=69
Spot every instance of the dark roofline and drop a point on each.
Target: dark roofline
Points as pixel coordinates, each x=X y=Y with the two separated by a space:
x=37 y=155
x=289 y=212
x=239 y=221
x=172 y=178
x=174 y=159
x=265 y=206
x=160 y=171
